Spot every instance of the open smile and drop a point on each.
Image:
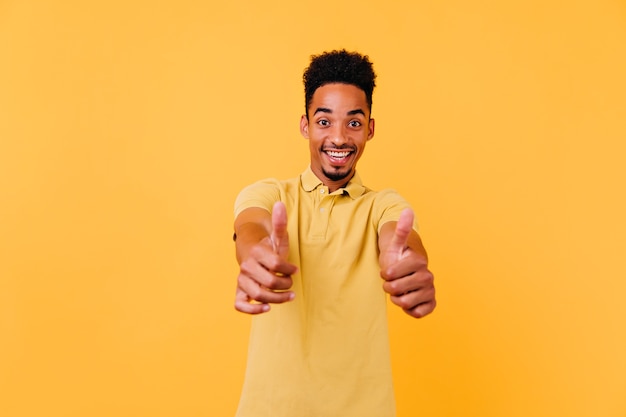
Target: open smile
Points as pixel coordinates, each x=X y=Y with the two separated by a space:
x=337 y=156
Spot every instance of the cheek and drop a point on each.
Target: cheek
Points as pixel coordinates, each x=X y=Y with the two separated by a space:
x=315 y=141
x=313 y=146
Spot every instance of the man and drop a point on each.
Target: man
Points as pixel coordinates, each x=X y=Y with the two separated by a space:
x=311 y=252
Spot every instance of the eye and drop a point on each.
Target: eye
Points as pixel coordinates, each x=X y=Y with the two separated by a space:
x=323 y=122
x=354 y=123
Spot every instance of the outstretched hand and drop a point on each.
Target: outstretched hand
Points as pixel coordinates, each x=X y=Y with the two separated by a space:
x=404 y=267
x=265 y=275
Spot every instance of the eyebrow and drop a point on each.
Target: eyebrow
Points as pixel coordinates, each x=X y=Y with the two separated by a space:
x=356 y=111
x=322 y=110
x=327 y=110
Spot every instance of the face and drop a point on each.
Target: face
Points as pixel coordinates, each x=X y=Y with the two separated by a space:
x=337 y=128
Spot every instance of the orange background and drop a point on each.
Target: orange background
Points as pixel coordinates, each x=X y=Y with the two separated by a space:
x=127 y=129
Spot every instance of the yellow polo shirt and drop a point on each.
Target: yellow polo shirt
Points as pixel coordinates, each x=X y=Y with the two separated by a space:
x=326 y=353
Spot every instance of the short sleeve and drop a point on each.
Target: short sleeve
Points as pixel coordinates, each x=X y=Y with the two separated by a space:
x=262 y=194
x=389 y=204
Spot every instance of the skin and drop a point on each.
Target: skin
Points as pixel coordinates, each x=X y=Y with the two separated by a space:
x=339 y=121
x=338 y=127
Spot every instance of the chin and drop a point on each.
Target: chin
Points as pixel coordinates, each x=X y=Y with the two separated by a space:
x=335 y=175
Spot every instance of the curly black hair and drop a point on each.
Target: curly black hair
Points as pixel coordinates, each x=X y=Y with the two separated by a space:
x=339 y=66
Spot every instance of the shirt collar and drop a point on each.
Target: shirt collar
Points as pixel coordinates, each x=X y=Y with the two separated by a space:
x=310 y=182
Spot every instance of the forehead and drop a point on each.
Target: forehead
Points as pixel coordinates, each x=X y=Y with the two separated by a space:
x=340 y=98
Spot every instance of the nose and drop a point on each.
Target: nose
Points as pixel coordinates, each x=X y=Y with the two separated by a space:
x=338 y=136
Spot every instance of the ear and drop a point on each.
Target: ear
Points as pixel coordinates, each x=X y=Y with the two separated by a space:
x=304 y=126
x=371 y=129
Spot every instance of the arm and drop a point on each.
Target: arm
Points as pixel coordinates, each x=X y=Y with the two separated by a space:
x=404 y=267
x=262 y=246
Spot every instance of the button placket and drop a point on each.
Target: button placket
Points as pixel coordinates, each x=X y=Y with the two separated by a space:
x=320 y=218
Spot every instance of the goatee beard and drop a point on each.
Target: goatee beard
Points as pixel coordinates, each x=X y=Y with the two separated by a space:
x=336 y=176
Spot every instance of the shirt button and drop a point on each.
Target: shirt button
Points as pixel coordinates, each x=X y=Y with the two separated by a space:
x=322 y=210
x=321 y=191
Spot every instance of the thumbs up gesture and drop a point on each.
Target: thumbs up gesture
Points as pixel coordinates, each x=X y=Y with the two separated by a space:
x=404 y=267
x=279 y=236
x=262 y=250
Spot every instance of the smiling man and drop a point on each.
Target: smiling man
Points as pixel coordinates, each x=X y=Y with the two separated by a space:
x=339 y=128
x=312 y=251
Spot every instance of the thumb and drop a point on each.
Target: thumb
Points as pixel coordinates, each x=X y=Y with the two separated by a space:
x=280 y=238
x=401 y=235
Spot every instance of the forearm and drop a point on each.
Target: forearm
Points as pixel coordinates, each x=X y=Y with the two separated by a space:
x=251 y=226
x=247 y=236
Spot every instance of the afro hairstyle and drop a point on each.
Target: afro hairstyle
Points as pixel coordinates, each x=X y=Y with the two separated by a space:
x=339 y=66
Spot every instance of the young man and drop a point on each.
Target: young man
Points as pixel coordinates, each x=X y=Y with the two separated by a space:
x=312 y=250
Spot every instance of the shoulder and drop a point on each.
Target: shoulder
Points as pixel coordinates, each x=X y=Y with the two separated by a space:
x=387 y=205
x=384 y=198
x=262 y=194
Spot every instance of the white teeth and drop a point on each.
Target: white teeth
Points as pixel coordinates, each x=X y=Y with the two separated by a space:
x=336 y=154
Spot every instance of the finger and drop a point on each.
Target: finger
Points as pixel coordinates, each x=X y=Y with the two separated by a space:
x=407 y=265
x=422 y=309
x=403 y=230
x=400 y=286
x=244 y=304
x=273 y=273
x=280 y=238
x=413 y=299
x=264 y=255
x=256 y=292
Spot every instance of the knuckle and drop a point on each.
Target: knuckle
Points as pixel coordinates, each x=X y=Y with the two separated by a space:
x=272 y=282
x=394 y=288
x=424 y=309
x=406 y=306
x=273 y=263
x=386 y=272
x=246 y=266
x=239 y=308
x=403 y=303
x=418 y=314
x=256 y=293
x=241 y=279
